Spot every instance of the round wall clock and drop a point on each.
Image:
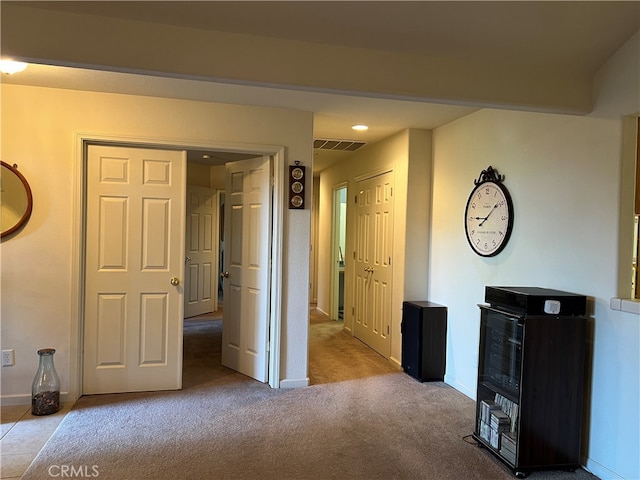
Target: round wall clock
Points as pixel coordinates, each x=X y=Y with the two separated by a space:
x=16 y=201
x=296 y=201
x=297 y=173
x=488 y=214
x=296 y=187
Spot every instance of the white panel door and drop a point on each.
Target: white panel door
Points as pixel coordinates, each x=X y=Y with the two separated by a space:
x=201 y=276
x=246 y=269
x=373 y=273
x=135 y=222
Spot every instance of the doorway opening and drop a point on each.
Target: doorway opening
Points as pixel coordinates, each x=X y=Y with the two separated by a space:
x=277 y=160
x=338 y=248
x=239 y=282
x=204 y=260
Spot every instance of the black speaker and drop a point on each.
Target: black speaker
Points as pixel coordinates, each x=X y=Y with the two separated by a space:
x=424 y=340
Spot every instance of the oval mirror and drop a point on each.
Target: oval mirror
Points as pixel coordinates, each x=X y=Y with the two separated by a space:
x=16 y=201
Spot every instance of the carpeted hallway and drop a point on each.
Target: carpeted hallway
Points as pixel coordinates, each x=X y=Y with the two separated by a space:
x=335 y=356
x=360 y=419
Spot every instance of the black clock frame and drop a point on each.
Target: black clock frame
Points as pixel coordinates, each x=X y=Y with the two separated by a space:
x=297 y=184
x=490 y=175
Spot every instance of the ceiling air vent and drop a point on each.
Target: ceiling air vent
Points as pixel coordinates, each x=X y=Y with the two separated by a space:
x=347 y=145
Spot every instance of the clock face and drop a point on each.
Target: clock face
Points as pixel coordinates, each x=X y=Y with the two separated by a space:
x=296 y=201
x=488 y=218
x=297 y=173
x=296 y=187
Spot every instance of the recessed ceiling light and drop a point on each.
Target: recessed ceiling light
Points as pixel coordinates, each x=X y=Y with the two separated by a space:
x=360 y=128
x=9 y=66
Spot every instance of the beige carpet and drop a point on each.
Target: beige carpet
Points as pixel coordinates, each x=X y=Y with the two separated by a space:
x=222 y=425
x=335 y=356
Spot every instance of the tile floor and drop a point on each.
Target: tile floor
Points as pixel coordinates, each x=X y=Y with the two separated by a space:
x=23 y=435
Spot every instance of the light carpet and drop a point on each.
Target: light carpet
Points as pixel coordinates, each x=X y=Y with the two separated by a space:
x=223 y=425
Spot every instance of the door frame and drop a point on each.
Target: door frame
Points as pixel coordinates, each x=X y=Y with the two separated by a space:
x=81 y=142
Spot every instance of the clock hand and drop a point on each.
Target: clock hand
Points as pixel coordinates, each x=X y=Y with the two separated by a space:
x=488 y=215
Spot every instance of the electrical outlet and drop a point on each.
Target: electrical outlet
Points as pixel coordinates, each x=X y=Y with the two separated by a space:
x=8 y=358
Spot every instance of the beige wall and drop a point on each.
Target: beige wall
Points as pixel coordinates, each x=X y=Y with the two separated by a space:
x=39 y=128
x=198 y=175
x=208 y=176
x=407 y=151
x=418 y=223
x=217 y=176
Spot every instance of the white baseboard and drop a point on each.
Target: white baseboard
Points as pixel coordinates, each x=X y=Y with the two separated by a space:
x=15 y=399
x=460 y=387
x=395 y=363
x=25 y=399
x=599 y=470
x=294 y=382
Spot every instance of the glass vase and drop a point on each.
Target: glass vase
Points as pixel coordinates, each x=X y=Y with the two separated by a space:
x=45 y=391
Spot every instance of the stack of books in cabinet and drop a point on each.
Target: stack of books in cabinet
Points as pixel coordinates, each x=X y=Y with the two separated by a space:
x=508 y=447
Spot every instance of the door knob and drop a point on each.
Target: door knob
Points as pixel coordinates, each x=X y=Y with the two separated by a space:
x=225 y=274
x=175 y=281
x=187 y=259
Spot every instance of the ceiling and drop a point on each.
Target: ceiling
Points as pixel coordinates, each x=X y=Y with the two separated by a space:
x=549 y=33
x=333 y=118
x=541 y=41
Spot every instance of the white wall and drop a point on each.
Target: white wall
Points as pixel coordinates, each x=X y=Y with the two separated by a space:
x=564 y=174
x=38 y=133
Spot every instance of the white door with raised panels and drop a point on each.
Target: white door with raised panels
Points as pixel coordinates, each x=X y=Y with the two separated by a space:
x=201 y=276
x=246 y=271
x=133 y=302
x=372 y=262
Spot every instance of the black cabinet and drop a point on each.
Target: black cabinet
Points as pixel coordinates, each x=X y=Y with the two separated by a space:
x=424 y=340
x=530 y=389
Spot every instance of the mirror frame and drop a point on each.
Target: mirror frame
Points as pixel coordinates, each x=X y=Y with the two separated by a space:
x=20 y=223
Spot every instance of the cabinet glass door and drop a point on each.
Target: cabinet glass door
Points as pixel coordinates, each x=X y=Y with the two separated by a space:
x=501 y=355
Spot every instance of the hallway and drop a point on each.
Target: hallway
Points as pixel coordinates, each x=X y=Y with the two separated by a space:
x=336 y=356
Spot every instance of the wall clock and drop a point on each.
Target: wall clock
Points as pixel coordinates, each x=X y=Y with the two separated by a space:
x=16 y=201
x=488 y=215
x=296 y=185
